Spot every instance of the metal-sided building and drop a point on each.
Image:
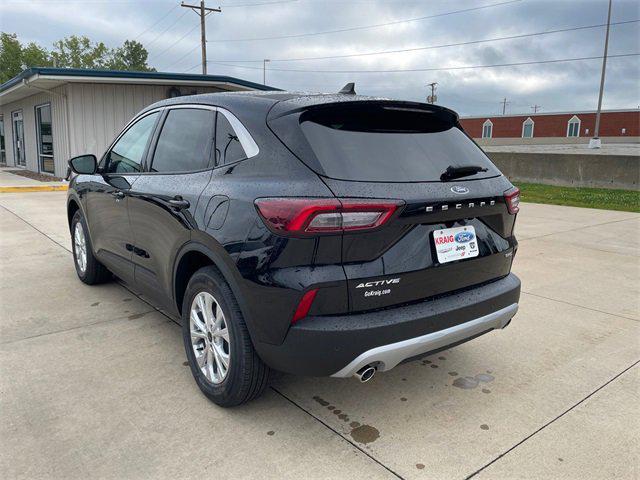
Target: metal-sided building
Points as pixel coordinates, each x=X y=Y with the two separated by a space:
x=48 y=115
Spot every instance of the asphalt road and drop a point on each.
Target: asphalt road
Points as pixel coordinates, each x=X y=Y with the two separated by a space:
x=93 y=382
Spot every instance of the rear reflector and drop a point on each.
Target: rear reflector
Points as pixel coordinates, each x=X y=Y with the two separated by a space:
x=324 y=215
x=512 y=199
x=304 y=305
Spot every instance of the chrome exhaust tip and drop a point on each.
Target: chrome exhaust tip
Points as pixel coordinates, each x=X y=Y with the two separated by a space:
x=365 y=374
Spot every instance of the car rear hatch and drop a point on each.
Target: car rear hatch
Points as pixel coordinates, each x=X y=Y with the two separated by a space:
x=454 y=226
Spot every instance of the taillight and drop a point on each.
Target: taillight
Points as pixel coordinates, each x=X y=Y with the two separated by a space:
x=324 y=215
x=512 y=199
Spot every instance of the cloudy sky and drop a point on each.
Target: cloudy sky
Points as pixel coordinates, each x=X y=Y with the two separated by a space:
x=290 y=32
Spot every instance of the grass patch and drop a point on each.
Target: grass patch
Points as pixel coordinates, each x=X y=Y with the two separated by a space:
x=603 y=198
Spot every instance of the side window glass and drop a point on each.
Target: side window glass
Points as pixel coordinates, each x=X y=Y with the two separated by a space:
x=126 y=155
x=228 y=146
x=185 y=142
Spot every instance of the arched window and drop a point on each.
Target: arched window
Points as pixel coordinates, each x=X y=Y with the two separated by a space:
x=573 y=127
x=487 y=129
x=527 y=128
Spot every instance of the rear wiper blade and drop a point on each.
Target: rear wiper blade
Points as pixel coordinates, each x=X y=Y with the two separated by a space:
x=458 y=172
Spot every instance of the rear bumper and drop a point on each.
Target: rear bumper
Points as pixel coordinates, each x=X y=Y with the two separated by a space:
x=340 y=345
x=388 y=356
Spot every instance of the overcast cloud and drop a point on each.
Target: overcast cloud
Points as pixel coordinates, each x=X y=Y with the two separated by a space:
x=173 y=44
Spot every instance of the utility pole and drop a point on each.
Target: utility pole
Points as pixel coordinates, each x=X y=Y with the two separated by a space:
x=504 y=105
x=432 y=98
x=264 y=70
x=595 y=141
x=202 y=11
x=535 y=108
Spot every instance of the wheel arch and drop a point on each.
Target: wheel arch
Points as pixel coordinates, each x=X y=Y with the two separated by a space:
x=73 y=205
x=195 y=255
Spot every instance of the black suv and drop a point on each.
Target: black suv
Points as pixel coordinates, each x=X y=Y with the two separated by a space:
x=311 y=234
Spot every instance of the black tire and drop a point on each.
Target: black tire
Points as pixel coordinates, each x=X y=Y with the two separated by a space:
x=247 y=376
x=94 y=272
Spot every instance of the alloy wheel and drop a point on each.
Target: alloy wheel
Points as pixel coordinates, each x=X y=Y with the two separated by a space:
x=210 y=337
x=80 y=247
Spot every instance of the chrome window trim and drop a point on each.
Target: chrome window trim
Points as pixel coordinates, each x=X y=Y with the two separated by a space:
x=246 y=140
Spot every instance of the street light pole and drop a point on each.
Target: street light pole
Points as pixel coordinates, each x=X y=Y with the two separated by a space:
x=264 y=70
x=595 y=141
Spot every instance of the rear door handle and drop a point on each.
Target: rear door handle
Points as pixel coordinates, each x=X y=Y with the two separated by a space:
x=118 y=194
x=179 y=203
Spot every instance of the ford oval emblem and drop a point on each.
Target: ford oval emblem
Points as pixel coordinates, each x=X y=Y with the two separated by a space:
x=459 y=189
x=464 y=237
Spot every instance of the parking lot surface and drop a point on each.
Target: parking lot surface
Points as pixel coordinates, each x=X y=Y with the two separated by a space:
x=93 y=381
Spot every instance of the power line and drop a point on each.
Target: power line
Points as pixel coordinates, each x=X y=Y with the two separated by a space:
x=435 y=69
x=167 y=29
x=157 y=22
x=445 y=45
x=192 y=68
x=177 y=41
x=365 y=27
x=184 y=56
x=258 y=4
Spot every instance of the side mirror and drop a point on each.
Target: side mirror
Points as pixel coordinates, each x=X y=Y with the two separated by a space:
x=84 y=164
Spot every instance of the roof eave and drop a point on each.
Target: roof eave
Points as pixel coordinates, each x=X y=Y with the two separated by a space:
x=115 y=76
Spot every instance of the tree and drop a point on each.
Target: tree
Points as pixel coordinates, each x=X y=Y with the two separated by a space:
x=70 y=52
x=34 y=55
x=132 y=56
x=79 y=52
x=10 y=56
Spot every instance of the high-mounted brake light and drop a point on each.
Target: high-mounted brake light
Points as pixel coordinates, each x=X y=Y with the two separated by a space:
x=324 y=215
x=512 y=199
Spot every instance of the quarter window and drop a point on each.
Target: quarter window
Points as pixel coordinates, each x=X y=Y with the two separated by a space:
x=127 y=153
x=573 y=127
x=185 y=142
x=487 y=129
x=228 y=146
x=527 y=128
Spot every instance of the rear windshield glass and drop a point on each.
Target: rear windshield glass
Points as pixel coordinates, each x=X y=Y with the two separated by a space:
x=390 y=144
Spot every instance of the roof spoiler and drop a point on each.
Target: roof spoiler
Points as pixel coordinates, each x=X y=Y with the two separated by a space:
x=348 y=89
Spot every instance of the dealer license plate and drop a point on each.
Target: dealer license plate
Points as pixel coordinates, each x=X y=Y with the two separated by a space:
x=455 y=243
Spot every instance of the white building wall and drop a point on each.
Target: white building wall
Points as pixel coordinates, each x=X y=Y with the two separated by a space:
x=59 y=128
x=96 y=114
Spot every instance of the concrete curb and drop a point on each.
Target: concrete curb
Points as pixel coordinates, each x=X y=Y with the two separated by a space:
x=34 y=188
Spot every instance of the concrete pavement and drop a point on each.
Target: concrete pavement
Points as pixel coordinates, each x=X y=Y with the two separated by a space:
x=93 y=383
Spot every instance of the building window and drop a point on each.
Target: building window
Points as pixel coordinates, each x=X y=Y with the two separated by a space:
x=487 y=129
x=3 y=153
x=45 y=138
x=527 y=128
x=573 y=127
